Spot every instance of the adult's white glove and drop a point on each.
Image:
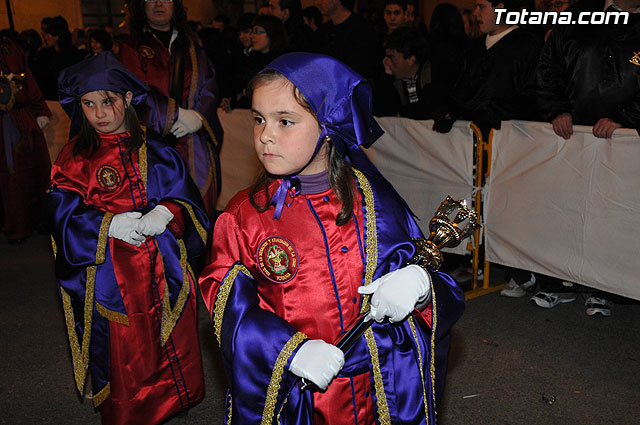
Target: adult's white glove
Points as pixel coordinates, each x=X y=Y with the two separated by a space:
x=123 y=227
x=189 y=121
x=397 y=293
x=155 y=221
x=318 y=362
x=42 y=121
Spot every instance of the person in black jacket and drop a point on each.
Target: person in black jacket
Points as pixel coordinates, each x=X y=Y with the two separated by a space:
x=498 y=78
x=587 y=73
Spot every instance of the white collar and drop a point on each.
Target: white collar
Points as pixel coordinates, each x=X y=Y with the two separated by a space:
x=615 y=6
x=493 y=39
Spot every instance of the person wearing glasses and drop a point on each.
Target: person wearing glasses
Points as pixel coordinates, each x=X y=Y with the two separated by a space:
x=183 y=100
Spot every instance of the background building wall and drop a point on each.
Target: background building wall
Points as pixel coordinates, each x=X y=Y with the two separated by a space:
x=27 y=14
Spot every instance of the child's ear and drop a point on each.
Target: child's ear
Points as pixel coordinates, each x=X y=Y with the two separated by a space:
x=127 y=97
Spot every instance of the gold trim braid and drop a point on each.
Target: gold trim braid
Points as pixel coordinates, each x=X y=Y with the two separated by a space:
x=80 y=354
x=199 y=227
x=111 y=315
x=424 y=390
x=223 y=295
x=170 y=315
x=371 y=241
x=371 y=255
x=381 y=397
x=143 y=164
x=103 y=238
x=276 y=376
x=171 y=110
x=434 y=322
x=102 y=395
x=54 y=247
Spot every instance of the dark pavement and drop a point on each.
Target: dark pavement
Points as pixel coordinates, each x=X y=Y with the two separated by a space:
x=506 y=354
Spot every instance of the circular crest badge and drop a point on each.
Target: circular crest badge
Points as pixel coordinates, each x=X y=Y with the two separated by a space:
x=147 y=52
x=277 y=259
x=108 y=178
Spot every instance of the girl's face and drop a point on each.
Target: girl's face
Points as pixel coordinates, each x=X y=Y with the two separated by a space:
x=105 y=110
x=245 y=38
x=285 y=133
x=96 y=46
x=260 y=40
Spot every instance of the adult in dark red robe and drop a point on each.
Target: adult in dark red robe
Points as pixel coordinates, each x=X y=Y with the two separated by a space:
x=24 y=158
x=182 y=104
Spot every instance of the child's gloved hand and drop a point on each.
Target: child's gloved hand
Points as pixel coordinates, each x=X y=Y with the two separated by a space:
x=318 y=362
x=189 y=121
x=155 y=221
x=123 y=227
x=396 y=294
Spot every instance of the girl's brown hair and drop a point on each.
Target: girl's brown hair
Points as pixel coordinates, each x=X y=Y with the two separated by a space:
x=340 y=175
x=88 y=139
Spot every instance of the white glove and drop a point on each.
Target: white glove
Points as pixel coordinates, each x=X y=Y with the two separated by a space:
x=396 y=294
x=155 y=221
x=42 y=121
x=189 y=121
x=318 y=362
x=123 y=227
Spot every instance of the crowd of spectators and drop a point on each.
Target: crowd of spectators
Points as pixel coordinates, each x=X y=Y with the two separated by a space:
x=466 y=66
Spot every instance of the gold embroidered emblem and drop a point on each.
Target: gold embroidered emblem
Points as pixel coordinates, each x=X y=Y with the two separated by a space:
x=277 y=259
x=108 y=178
x=635 y=59
x=147 y=52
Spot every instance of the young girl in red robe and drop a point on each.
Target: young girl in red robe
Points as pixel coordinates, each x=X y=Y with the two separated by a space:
x=319 y=241
x=126 y=220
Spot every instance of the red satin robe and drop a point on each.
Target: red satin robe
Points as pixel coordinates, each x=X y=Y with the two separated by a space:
x=318 y=296
x=149 y=383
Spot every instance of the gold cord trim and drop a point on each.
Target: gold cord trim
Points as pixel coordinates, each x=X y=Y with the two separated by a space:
x=434 y=322
x=381 y=397
x=230 y=410
x=80 y=354
x=424 y=390
x=103 y=238
x=143 y=164
x=371 y=241
x=223 y=295
x=199 y=227
x=371 y=254
x=276 y=376
x=111 y=315
x=54 y=247
x=102 y=395
x=170 y=315
x=171 y=110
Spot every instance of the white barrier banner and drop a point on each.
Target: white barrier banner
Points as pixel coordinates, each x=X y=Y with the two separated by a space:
x=425 y=166
x=565 y=208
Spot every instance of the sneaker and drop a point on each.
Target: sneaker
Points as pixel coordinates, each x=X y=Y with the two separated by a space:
x=598 y=305
x=550 y=299
x=514 y=290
